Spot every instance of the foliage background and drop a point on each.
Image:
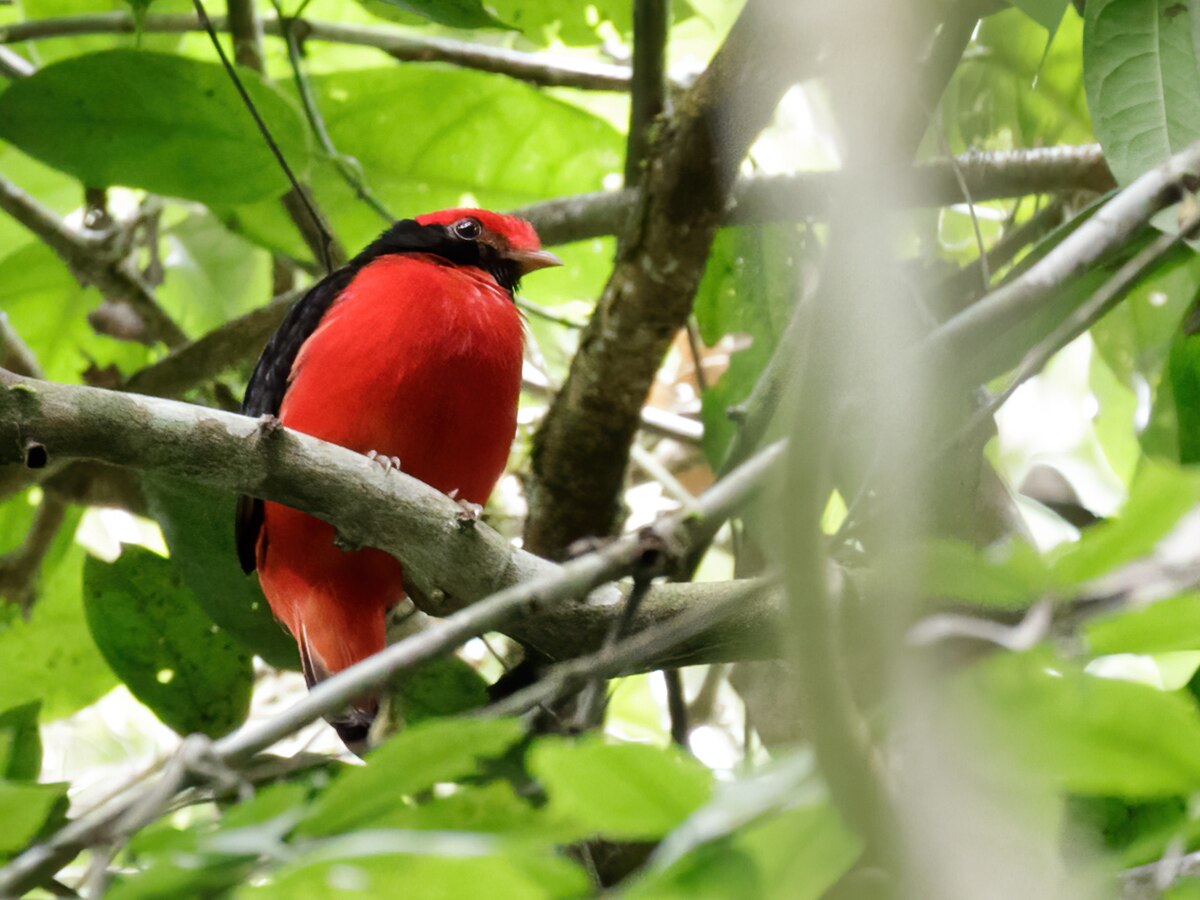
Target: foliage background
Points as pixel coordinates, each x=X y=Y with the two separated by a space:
x=1027 y=678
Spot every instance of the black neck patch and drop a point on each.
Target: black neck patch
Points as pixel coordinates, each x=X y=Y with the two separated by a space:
x=410 y=236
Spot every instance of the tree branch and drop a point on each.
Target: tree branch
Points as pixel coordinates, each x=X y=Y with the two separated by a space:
x=400 y=45
x=580 y=450
x=759 y=200
x=957 y=344
x=87 y=256
x=448 y=563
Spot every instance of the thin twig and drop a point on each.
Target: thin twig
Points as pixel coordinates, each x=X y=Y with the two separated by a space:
x=15 y=354
x=19 y=569
x=1080 y=320
x=535 y=68
x=89 y=257
x=648 y=92
x=326 y=242
x=613 y=660
x=349 y=169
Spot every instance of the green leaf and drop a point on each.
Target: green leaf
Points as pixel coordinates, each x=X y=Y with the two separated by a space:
x=1160 y=495
x=20 y=743
x=168 y=652
x=1183 y=366
x=1143 y=87
x=29 y=811
x=492 y=808
x=197 y=523
x=574 y=22
x=796 y=855
x=51 y=656
x=749 y=282
x=48 y=308
x=1011 y=90
x=415 y=759
x=1048 y=720
x=1047 y=13
x=622 y=791
x=1161 y=627
x=512 y=876
x=165 y=123
x=441 y=687
x=1009 y=574
x=455 y=13
x=428 y=136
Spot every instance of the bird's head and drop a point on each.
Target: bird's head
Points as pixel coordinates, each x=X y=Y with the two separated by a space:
x=506 y=247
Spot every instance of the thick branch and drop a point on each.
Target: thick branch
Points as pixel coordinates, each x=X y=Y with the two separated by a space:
x=580 y=451
x=447 y=562
x=761 y=200
x=535 y=68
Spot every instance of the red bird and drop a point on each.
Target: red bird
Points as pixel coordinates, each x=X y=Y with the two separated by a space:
x=412 y=350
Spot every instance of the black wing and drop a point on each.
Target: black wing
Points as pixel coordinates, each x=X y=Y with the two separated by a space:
x=269 y=382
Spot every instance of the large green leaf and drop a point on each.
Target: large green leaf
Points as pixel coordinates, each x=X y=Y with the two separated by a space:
x=1160 y=495
x=796 y=855
x=453 y=874
x=1184 y=375
x=1008 y=574
x=165 y=123
x=197 y=523
x=1012 y=90
x=1047 y=13
x=48 y=308
x=625 y=791
x=29 y=811
x=51 y=656
x=168 y=652
x=749 y=286
x=20 y=743
x=1161 y=627
x=429 y=137
x=1143 y=87
x=1049 y=721
x=419 y=757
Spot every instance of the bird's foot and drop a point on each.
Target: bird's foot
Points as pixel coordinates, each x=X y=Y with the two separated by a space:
x=468 y=513
x=389 y=463
x=268 y=425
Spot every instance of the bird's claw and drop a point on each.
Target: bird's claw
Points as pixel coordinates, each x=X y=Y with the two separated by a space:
x=268 y=425
x=389 y=463
x=468 y=513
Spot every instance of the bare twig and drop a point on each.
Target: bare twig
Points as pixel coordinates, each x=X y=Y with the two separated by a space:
x=648 y=93
x=309 y=221
x=87 y=257
x=15 y=354
x=226 y=346
x=613 y=660
x=348 y=168
x=14 y=65
x=958 y=342
x=19 y=569
x=535 y=68
x=758 y=200
x=1080 y=320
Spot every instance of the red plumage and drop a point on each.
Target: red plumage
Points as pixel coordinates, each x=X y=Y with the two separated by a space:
x=417 y=356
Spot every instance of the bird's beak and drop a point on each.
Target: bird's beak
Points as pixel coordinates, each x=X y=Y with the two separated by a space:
x=531 y=260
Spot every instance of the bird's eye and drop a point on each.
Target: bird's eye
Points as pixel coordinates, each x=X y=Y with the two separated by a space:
x=467 y=229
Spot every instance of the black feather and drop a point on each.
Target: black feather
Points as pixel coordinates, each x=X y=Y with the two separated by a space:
x=272 y=373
